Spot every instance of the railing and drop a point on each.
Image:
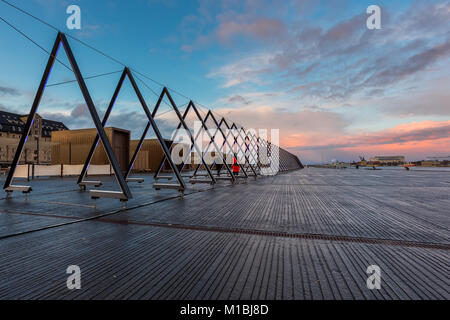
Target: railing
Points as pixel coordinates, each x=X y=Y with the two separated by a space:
x=31 y=171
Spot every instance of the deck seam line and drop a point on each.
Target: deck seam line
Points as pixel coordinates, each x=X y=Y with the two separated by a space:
x=311 y=236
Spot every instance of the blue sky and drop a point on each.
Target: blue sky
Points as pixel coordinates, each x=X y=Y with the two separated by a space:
x=310 y=68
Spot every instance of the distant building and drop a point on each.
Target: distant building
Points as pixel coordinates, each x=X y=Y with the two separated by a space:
x=38 y=146
x=150 y=155
x=435 y=162
x=388 y=159
x=72 y=147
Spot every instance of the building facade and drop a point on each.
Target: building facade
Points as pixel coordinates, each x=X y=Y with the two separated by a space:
x=72 y=146
x=38 y=146
x=388 y=160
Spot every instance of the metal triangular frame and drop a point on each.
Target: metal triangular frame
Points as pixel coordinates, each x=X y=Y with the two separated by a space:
x=236 y=142
x=225 y=137
x=126 y=73
x=230 y=130
x=151 y=123
x=161 y=163
x=181 y=123
x=274 y=156
x=267 y=146
x=259 y=145
x=212 y=141
x=97 y=137
x=247 y=165
x=233 y=126
x=274 y=147
x=61 y=38
x=167 y=157
x=182 y=185
x=282 y=163
x=192 y=106
x=219 y=149
x=282 y=160
x=255 y=140
x=254 y=145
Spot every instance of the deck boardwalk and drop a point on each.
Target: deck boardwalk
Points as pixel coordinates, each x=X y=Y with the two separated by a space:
x=308 y=234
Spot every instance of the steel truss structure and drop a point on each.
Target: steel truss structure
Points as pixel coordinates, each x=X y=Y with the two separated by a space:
x=212 y=178
x=191 y=137
x=225 y=142
x=125 y=193
x=245 y=147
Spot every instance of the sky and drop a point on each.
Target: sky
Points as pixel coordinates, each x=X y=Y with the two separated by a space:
x=310 y=68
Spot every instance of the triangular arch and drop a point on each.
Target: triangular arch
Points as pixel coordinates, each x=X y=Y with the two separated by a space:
x=225 y=137
x=183 y=124
x=192 y=106
x=233 y=126
x=125 y=193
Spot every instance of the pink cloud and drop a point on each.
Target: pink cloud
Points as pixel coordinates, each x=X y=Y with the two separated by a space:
x=313 y=134
x=416 y=140
x=298 y=128
x=262 y=28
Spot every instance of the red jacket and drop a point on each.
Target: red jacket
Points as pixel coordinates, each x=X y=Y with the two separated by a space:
x=235 y=165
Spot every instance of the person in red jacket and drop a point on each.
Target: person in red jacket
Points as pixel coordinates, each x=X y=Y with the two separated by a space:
x=235 y=167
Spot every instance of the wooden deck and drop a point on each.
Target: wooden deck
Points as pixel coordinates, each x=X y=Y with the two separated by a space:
x=308 y=234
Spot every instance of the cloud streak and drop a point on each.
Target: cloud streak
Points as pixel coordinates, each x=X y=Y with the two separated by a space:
x=416 y=139
x=9 y=91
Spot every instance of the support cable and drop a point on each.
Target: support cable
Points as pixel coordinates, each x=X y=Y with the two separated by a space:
x=102 y=53
x=34 y=42
x=49 y=53
x=85 y=78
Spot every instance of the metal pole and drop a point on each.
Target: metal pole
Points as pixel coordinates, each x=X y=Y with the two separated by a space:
x=155 y=128
x=190 y=135
x=95 y=118
x=214 y=143
x=105 y=119
x=228 y=127
x=33 y=110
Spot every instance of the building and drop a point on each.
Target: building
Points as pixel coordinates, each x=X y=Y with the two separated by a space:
x=38 y=146
x=72 y=146
x=435 y=162
x=150 y=155
x=388 y=160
